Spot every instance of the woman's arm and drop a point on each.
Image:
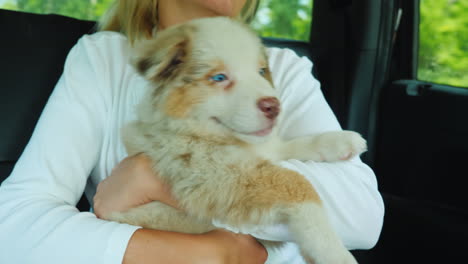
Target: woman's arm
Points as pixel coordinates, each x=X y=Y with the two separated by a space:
x=37 y=202
x=348 y=189
x=133 y=183
x=216 y=247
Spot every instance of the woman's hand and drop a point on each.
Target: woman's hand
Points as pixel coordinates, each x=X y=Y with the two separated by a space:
x=132 y=182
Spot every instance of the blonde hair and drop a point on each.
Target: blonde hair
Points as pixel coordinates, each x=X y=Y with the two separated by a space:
x=137 y=18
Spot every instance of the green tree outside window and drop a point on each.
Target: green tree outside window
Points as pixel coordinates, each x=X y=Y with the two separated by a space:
x=289 y=19
x=443 y=42
x=82 y=9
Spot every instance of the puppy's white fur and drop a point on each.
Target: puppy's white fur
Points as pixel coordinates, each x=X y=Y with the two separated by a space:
x=216 y=148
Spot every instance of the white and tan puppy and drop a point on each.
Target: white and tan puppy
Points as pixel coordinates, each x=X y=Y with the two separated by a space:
x=208 y=124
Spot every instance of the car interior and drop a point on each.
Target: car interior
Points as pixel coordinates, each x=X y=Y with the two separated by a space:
x=365 y=56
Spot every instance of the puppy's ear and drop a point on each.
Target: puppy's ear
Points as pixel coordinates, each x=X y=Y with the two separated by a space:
x=162 y=57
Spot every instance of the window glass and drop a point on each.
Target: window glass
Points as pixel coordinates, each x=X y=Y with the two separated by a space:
x=443 y=42
x=289 y=19
x=81 y=9
x=275 y=18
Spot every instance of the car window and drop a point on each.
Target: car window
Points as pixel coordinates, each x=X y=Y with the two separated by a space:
x=289 y=19
x=276 y=18
x=443 y=42
x=81 y=9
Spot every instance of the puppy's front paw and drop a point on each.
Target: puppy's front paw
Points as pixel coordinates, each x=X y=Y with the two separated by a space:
x=340 y=145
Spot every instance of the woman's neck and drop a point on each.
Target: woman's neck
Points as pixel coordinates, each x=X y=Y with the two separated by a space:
x=173 y=12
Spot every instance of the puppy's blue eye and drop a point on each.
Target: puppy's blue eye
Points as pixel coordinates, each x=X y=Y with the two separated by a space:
x=219 y=77
x=262 y=71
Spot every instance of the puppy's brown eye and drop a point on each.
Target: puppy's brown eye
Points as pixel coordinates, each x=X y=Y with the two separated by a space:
x=262 y=71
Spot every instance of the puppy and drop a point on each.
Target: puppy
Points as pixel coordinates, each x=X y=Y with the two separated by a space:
x=208 y=125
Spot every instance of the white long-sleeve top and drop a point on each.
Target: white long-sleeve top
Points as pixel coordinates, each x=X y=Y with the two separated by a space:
x=77 y=142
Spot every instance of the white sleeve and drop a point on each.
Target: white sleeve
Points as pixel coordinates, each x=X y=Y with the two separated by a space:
x=348 y=189
x=39 y=222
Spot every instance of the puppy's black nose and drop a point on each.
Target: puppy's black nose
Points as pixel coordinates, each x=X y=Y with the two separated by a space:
x=270 y=106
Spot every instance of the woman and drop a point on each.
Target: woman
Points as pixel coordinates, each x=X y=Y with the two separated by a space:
x=76 y=146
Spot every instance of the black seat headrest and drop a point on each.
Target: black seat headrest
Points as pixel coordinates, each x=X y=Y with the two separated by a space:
x=32 y=51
